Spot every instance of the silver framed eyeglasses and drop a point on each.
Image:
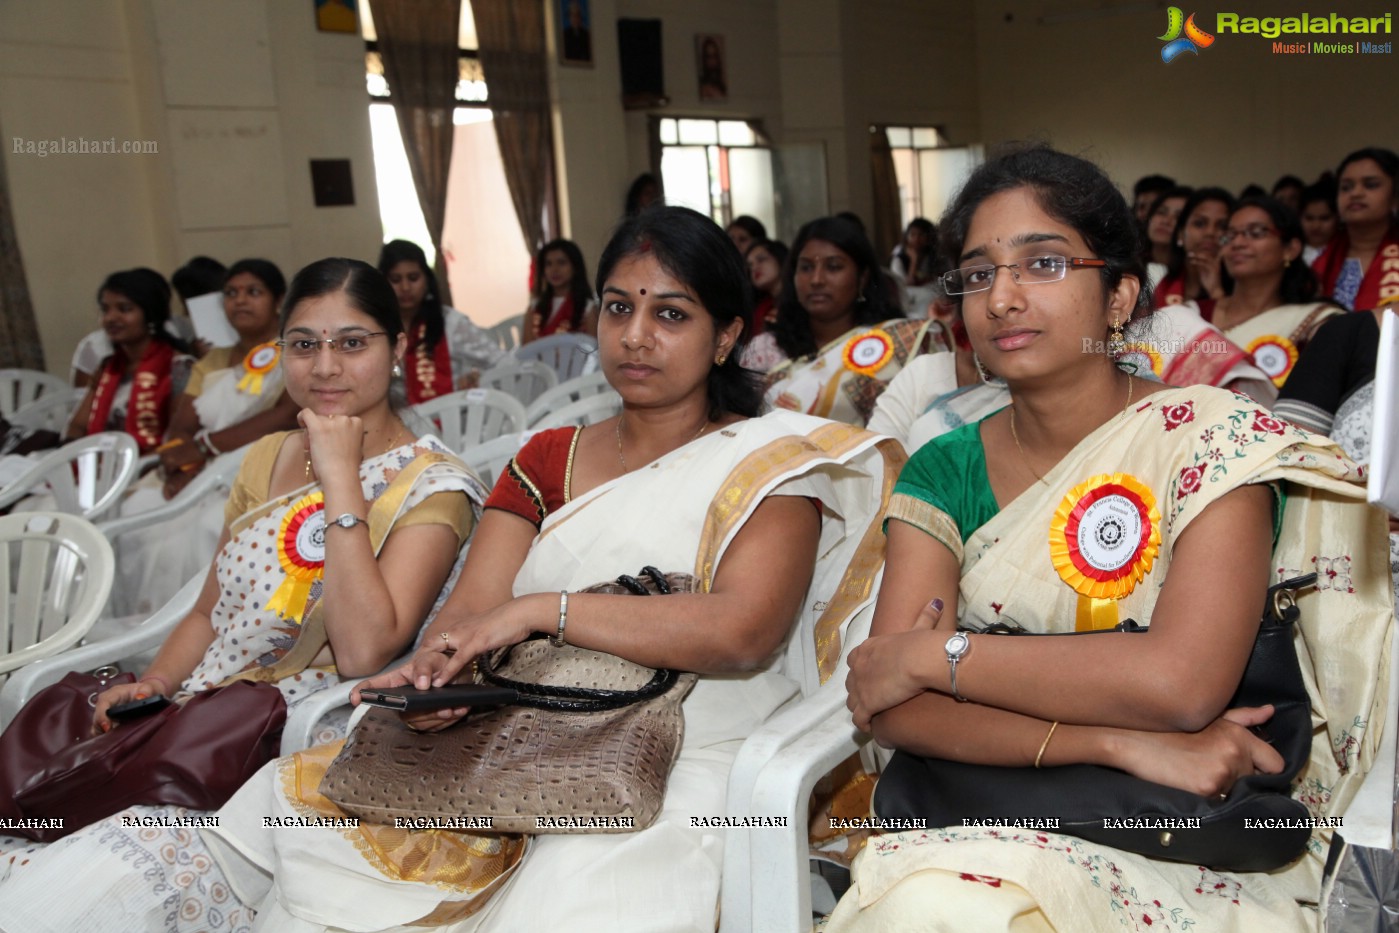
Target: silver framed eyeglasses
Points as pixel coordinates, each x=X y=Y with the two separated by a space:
x=302 y=347
x=1033 y=270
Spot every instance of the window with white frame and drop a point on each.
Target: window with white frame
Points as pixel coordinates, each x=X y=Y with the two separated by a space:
x=721 y=168
x=929 y=170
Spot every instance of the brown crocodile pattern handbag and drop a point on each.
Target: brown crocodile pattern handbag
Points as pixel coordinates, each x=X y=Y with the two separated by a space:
x=587 y=750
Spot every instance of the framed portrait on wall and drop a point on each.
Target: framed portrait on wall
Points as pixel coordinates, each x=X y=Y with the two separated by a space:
x=575 y=33
x=709 y=59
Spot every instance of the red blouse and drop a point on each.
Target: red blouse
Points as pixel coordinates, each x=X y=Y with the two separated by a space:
x=537 y=480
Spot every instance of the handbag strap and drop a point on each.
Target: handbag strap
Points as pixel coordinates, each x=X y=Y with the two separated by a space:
x=586 y=699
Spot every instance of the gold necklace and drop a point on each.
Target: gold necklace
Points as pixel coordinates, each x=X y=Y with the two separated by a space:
x=1016 y=437
x=623 y=460
x=392 y=444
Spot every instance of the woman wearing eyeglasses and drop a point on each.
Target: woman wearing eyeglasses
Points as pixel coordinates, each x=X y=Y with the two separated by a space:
x=837 y=342
x=1269 y=308
x=339 y=539
x=1094 y=497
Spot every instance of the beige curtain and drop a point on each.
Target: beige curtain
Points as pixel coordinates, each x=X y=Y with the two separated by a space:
x=418 y=42
x=19 y=334
x=511 y=33
x=888 y=225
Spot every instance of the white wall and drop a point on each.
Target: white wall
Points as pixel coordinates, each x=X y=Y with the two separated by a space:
x=235 y=98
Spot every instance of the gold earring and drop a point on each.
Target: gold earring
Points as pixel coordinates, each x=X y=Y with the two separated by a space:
x=1117 y=346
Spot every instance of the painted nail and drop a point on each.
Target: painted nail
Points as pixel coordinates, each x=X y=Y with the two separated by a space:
x=936 y=604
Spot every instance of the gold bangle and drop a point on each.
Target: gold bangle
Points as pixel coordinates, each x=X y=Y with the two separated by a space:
x=1045 y=743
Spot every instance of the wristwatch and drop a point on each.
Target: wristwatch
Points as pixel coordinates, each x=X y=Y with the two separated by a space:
x=348 y=520
x=957 y=647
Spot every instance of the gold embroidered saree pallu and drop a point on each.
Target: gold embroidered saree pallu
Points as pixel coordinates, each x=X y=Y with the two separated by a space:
x=1092 y=546
x=678 y=514
x=844 y=379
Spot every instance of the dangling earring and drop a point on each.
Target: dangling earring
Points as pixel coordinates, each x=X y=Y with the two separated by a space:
x=982 y=371
x=397 y=370
x=1117 y=346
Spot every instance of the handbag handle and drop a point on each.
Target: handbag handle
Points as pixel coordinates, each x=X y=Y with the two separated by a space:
x=586 y=699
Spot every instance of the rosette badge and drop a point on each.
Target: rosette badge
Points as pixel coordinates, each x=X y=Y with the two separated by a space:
x=1103 y=541
x=868 y=353
x=260 y=361
x=301 y=552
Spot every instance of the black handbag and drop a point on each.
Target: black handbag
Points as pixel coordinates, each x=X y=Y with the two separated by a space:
x=1257 y=827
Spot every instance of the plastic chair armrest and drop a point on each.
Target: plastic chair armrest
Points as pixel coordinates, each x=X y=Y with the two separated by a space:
x=33 y=677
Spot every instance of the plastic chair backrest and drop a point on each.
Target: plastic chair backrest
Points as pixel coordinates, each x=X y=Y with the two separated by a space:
x=570 y=355
x=526 y=381
x=488 y=460
x=566 y=393
x=585 y=411
x=19 y=387
x=87 y=477
x=507 y=332
x=55 y=575
x=465 y=419
x=50 y=411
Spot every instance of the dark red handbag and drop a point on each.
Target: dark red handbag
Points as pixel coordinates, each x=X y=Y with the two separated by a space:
x=192 y=755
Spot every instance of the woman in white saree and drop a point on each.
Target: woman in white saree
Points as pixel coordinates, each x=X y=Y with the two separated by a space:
x=777 y=518
x=1019 y=517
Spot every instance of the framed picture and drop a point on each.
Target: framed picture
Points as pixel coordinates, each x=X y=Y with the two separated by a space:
x=575 y=33
x=709 y=59
x=337 y=16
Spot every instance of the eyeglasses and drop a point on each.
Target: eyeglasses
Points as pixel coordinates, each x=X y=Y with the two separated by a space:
x=1251 y=232
x=302 y=347
x=1034 y=270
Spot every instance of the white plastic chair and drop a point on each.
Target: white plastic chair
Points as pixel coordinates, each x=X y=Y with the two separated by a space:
x=565 y=393
x=50 y=411
x=570 y=355
x=585 y=411
x=526 y=381
x=56 y=571
x=507 y=332
x=87 y=477
x=489 y=459
x=19 y=387
x=465 y=419
x=216 y=479
x=767 y=877
x=146 y=637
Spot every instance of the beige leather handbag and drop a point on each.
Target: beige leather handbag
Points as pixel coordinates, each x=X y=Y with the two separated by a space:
x=587 y=750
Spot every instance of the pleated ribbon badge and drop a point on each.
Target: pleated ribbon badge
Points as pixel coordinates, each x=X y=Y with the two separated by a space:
x=260 y=361
x=1103 y=540
x=301 y=552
